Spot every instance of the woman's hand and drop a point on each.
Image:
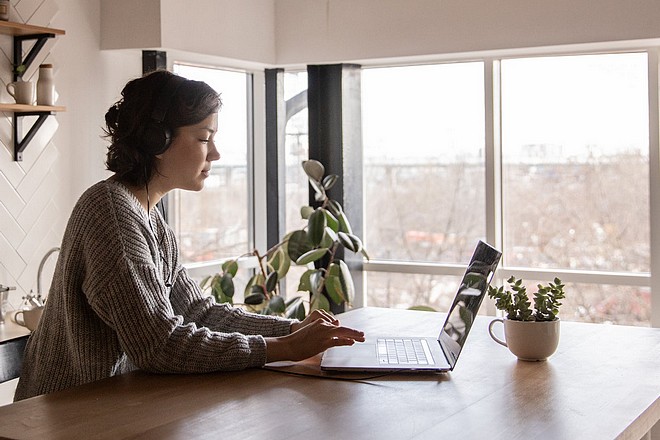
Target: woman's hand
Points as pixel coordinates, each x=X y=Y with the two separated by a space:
x=316 y=314
x=315 y=334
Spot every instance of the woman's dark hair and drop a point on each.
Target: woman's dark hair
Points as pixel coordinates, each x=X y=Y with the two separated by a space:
x=128 y=122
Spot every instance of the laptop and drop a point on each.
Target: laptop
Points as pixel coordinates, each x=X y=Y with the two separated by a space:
x=419 y=354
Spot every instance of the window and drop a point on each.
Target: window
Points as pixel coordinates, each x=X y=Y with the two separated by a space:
x=423 y=137
x=576 y=174
x=213 y=224
x=574 y=185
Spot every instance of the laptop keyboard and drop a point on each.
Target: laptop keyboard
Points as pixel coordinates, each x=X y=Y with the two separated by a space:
x=404 y=351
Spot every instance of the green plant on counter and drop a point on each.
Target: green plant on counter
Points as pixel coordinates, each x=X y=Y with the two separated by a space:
x=317 y=243
x=515 y=302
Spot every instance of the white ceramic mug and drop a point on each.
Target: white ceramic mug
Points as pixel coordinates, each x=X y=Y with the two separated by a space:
x=23 y=92
x=528 y=340
x=29 y=318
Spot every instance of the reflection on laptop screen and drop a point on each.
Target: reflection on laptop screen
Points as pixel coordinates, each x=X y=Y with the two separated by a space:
x=466 y=304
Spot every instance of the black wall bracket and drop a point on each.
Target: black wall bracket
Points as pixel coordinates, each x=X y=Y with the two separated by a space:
x=19 y=145
x=31 y=55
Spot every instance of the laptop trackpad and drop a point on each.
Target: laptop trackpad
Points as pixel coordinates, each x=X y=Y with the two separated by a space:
x=360 y=354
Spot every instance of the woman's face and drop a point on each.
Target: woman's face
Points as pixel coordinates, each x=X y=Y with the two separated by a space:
x=187 y=162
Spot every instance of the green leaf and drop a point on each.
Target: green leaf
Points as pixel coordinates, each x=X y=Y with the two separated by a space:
x=423 y=308
x=271 y=281
x=357 y=243
x=319 y=195
x=305 y=284
x=319 y=302
x=346 y=241
x=311 y=256
x=344 y=225
x=293 y=301
x=329 y=181
x=216 y=290
x=276 y=305
x=315 y=281
x=255 y=299
x=306 y=211
x=347 y=281
x=230 y=266
x=298 y=244
x=334 y=288
x=335 y=208
x=329 y=238
x=316 y=226
x=314 y=169
x=280 y=262
x=364 y=253
x=204 y=283
x=256 y=280
x=227 y=284
x=331 y=221
x=296 y=310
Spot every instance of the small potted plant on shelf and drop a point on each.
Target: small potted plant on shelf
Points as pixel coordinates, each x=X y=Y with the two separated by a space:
x=531 y=333
x=316 y=244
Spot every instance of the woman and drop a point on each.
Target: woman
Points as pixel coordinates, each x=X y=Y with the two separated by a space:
x=120 y=299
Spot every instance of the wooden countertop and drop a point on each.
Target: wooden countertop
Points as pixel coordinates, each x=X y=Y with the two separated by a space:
x=602 y=383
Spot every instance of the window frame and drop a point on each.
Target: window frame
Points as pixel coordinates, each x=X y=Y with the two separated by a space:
x=257 y=166
x=494 y=200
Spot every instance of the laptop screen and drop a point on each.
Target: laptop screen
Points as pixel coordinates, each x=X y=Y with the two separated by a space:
x=467 y=301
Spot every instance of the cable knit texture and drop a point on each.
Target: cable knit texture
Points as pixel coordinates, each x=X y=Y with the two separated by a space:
x=109 y=309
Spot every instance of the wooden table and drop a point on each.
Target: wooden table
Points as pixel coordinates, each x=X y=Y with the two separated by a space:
x=603 y=383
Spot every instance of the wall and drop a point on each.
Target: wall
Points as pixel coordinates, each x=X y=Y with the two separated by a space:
x=37 y=194
x=66 y=156
x=324 y=31
x=300 y=32
x=238 y=29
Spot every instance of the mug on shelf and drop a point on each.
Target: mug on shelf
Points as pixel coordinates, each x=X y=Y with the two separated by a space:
x=22 y=91
x=29 y=318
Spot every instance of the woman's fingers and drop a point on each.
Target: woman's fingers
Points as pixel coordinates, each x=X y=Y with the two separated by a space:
x=315 y=315
x=348 y=333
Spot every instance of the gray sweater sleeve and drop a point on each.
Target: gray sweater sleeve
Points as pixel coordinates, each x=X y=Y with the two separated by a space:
x=188 y=301
x=162 y=329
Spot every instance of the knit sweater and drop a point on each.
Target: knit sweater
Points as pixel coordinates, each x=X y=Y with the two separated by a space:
x=120 y=300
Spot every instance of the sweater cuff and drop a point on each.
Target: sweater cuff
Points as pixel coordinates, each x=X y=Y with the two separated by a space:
x=257 y=346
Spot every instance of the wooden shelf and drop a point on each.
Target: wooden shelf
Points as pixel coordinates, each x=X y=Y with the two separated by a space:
x=12 y=28
x=25 y=108
x=20 y=33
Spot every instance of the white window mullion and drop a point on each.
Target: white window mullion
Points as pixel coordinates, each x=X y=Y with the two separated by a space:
x=493 y=153
x=493 y=159
x=654 y=180
x=257 y=157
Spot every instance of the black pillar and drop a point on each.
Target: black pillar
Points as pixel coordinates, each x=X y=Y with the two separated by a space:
x=156 y=60
x=335 y=139
x=275 y=124
x=153 y=60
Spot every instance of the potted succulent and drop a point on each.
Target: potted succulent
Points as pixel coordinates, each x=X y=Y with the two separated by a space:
x=531 y=333
x=316 y=244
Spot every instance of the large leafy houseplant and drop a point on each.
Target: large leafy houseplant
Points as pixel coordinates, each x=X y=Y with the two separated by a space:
x=317 y=243
x=517 y=306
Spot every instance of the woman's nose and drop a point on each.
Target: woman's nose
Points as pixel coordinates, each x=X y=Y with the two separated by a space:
x=213 y=154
